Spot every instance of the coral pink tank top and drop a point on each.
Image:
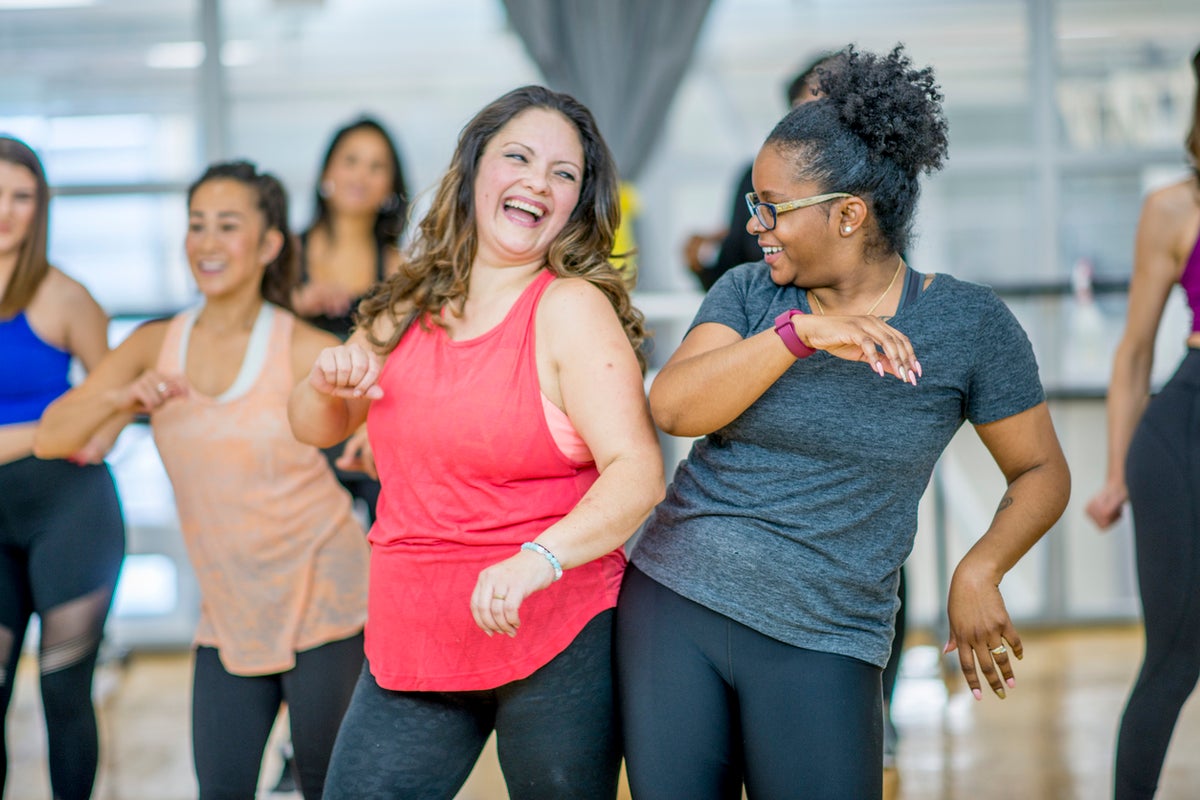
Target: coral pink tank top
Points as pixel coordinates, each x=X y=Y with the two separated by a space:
x=470 y=470
x=281 y=562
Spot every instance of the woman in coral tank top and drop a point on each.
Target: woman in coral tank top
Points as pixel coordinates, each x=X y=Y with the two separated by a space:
x=499 y=376
x=280 y=559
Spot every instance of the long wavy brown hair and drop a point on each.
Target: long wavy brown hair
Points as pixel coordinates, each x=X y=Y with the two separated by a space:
x=435 y=272
x=32 y=264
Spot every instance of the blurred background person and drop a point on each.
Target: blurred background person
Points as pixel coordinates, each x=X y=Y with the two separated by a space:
x=352 y=243
x=280 y=559
x=1154 y=463
x=62 y=538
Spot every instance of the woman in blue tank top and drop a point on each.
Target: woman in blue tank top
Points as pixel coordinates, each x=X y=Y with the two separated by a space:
x=61 y=533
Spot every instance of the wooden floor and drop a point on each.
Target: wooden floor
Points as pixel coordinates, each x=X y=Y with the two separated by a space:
x=1052 y=738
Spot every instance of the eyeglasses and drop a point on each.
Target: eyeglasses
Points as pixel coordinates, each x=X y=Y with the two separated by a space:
x=767 y=213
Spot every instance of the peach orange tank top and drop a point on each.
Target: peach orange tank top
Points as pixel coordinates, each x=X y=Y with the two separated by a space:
x=280 y=559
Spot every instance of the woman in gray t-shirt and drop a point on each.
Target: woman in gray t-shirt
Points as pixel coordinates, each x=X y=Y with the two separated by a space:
x=825 y=381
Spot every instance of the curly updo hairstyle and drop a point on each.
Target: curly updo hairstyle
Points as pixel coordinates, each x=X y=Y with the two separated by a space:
x=877 y=127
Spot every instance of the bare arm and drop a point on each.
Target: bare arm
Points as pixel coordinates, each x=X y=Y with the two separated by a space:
x=1027 y=451
x=123 y=383
x=601 y=389
x=715 y=375
x=87 y=340
x=1156 y=268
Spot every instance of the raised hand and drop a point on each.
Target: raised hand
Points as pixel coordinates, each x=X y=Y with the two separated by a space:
x=348 y=370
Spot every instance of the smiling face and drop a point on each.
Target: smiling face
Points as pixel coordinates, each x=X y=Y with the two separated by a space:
x=227 y=246
x=800 y=236
x=528 y=182
x=360 y=173
x=18 y=207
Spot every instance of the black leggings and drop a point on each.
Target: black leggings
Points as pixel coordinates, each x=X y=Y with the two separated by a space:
x=708 y=703
x=1163 y=474
x=61 y=544
x=232 y=717
x=556 y=733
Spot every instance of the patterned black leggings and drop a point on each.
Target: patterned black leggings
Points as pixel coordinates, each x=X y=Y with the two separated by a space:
x=556 y=733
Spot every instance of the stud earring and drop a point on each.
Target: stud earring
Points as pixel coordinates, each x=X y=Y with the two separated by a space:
x=847 y=229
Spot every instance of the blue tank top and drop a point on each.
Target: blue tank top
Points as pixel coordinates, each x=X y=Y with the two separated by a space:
x=34 y=374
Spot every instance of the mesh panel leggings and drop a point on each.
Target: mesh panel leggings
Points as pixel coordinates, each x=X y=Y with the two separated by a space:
x=707 y=704
x=1163 y=473
x=61 y=544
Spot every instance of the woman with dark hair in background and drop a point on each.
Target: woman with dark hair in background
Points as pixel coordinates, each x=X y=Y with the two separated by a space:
x=361 y=207
x=280 y=560
x=1154 y=463
x=756 y=616
x=498 y=373
x=61 y=533
x=353 y=241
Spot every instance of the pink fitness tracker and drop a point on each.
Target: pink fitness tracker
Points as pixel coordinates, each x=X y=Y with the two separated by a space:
x=787 y=332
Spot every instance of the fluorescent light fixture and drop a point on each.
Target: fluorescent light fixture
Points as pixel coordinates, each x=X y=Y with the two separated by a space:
x=20 y=5
x=189 y=55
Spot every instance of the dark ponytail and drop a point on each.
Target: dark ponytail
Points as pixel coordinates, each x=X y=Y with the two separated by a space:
x=282 y=275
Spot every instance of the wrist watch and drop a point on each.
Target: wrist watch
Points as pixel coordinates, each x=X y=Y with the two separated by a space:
x=787 y=332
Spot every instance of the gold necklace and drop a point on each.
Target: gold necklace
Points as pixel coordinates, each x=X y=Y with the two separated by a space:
x=896 y=274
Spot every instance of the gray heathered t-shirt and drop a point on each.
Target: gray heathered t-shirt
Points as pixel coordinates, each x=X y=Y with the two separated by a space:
x=794 y=519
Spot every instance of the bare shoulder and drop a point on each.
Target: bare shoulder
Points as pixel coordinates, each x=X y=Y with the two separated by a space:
x=574 y=301
x=307 y=343
x=62 y=290
x=307 y=335
x=1179 y=200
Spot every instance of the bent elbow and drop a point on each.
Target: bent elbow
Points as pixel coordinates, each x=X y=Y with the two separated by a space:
x=44 y=447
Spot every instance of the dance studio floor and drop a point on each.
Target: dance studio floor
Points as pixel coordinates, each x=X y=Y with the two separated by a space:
x=1052 y=738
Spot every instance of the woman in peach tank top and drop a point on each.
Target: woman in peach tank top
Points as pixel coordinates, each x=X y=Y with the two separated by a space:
x=281 y=561
x=499 y=378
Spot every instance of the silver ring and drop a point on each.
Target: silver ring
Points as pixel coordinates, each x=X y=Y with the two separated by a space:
x=162 y=388
x=999 y=650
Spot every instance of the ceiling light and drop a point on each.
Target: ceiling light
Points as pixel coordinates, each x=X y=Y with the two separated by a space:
x=19 y=5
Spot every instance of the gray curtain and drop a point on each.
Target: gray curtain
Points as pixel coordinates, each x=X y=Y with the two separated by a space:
x=623 y=59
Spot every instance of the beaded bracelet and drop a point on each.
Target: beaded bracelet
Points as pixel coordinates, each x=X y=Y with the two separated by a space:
x=534 y=547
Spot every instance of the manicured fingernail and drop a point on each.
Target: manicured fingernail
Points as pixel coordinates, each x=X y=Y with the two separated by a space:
x=920 y=371
x=978 y=694
x=1012 y=682
x=879 y=369
x=1000 y=693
